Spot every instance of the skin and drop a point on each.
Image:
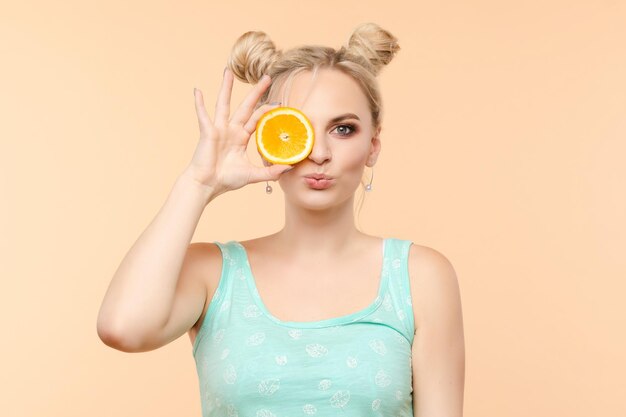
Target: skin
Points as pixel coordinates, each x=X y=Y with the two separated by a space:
x=319 y=247
x=320 y=223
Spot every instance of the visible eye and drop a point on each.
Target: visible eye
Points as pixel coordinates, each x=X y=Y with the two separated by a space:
x=343 y=132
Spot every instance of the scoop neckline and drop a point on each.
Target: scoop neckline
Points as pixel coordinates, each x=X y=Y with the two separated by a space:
x=333 y=321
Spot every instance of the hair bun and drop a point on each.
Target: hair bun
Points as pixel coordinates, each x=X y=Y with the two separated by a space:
x=252 y=54
x=375 y=45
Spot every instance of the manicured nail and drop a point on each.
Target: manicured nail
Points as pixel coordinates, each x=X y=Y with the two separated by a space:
x=275 y=103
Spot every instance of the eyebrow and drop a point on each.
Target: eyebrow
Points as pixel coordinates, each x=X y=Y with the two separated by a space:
x=345 y=116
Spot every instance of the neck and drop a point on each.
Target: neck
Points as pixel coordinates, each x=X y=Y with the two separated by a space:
x=323 y=233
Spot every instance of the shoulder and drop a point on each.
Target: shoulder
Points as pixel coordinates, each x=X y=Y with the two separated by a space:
x=426 y=259
x=205 y=258
x=203 y=252
x=434 y=283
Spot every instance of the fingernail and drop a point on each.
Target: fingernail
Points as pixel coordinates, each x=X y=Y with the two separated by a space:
x=225 y=68
x=275 y=103
x=265 y=77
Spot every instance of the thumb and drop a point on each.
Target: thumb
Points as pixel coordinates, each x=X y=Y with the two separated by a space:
x=270 y=173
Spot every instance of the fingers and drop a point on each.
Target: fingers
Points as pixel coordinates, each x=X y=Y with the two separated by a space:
x=203 y=118
x=222 y=107
x=269 y=173
x=250 y=125
x=247 y=107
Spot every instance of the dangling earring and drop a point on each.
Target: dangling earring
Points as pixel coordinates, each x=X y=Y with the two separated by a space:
x=368 y=187
x=268 y=188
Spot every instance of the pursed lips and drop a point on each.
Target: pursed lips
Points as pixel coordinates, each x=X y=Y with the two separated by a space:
x=318 y=176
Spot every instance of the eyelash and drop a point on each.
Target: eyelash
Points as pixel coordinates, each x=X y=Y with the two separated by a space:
x=351 y=126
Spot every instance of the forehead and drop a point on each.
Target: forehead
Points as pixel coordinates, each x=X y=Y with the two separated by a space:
x=326 y=95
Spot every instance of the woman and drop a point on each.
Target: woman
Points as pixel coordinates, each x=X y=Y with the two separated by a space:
x=331 y=320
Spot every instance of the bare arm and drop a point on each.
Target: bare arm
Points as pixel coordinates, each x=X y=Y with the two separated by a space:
x=438 y=353
x=158 y=291
x=141 y=294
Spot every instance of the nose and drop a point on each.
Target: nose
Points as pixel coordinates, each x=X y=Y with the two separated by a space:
x=321 y=151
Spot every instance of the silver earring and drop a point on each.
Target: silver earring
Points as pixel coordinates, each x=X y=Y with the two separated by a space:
x=268 y=188
x=368 y=187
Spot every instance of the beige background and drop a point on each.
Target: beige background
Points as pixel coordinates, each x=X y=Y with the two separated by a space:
x=503 y=146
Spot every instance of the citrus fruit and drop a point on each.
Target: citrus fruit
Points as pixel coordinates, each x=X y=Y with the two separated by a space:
x=284 y=135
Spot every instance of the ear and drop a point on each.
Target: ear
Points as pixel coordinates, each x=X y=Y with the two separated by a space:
x=374 y=149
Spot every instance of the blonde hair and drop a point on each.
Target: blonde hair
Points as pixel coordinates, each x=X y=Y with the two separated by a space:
x=368 y=49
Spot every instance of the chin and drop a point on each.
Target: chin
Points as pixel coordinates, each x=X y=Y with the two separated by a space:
x=311 y=199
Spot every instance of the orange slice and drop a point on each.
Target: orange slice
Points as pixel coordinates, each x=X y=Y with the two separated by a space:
x=284 y=135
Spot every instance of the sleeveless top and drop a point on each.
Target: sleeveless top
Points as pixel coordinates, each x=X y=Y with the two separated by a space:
x=251 y=364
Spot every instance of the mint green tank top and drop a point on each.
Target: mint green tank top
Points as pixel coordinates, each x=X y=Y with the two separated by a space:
x=251 y=364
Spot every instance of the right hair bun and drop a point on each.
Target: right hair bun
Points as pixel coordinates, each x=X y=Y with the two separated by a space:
x=252 y=55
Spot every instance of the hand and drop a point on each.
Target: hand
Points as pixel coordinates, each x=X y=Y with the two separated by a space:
x=220 y=161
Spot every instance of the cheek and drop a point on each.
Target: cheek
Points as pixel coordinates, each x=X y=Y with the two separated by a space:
x=351 y=159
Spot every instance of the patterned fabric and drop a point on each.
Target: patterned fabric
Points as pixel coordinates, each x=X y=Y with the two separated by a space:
x=251 y=364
